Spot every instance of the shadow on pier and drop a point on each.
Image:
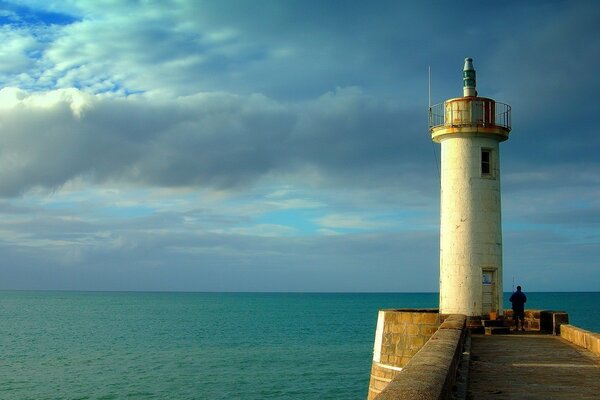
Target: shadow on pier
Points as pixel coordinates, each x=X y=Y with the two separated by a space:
x=531 y=366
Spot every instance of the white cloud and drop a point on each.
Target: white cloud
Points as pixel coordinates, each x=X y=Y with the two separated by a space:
x=267 y=230
x=15 y=51
x=345 y=221
x=291 y=204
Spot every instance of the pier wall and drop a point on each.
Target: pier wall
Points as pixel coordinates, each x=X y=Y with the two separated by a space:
x=417 y=351
x=545 y=321
x=431 y=373
x=531 y=322
x=399 y=336
x=581 y=337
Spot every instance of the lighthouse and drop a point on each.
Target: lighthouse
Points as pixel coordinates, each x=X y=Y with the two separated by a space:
x=469 y=130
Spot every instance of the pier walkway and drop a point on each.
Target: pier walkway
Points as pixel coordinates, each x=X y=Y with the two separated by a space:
x=531 y=366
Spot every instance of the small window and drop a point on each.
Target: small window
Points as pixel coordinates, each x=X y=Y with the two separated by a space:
x=486 y=162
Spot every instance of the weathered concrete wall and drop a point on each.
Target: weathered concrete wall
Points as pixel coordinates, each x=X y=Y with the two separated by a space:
x=581 y=337
x=431 y=373
x=470 y=227
x=399 y=336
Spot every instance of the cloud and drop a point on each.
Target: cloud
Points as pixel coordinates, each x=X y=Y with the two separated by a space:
x=15 y=48
x=545 y=69
x=206 y=140
x=545 y=260
x=263 y=230
x=350 y=222
x=296 y=50
x=201 y=262
x=186 y=144
x=291 y=204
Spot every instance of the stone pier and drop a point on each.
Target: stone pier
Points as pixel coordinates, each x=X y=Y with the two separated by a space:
x=420 y=354
x=531 y=366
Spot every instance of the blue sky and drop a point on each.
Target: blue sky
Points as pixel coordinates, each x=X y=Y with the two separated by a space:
x=283 y=145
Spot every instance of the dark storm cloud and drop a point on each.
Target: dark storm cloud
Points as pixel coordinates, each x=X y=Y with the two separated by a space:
x=549 y=72
x=542 y=259
x=213 y=140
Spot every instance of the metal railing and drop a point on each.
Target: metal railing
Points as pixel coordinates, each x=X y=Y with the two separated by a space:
x=479 y=113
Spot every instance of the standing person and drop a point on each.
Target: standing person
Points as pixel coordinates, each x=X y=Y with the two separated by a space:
x=518 y=300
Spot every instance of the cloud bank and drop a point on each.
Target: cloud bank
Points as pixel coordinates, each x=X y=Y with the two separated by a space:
x=283 y=146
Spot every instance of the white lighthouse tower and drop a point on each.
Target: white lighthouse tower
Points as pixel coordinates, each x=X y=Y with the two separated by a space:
x=470 y=129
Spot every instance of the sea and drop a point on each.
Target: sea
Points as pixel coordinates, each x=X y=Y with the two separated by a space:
x=137 y=345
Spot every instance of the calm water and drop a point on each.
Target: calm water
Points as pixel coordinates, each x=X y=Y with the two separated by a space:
x=80 y=345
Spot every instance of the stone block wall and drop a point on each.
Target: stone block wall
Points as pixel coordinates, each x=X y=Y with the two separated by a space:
x=399 y=336
x=546 y=321
x=431 y=373
x=581 y=337
x=532 y=319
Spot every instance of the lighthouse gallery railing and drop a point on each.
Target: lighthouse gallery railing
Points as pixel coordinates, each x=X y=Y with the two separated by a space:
x=469 y=111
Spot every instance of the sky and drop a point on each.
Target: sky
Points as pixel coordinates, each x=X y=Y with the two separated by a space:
x=283 y=145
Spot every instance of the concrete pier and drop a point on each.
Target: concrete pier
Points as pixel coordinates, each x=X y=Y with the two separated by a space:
x=531 y=366
x=551 y=360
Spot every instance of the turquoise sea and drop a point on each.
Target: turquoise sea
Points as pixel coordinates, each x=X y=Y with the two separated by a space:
x=108 y=345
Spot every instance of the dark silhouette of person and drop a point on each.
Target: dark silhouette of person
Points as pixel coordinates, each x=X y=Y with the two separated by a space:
x=518 y=300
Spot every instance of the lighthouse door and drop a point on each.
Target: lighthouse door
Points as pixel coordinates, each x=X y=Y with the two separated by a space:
x=488 y=301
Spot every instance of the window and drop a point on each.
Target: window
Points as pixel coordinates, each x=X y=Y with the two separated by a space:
x=486 y=162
